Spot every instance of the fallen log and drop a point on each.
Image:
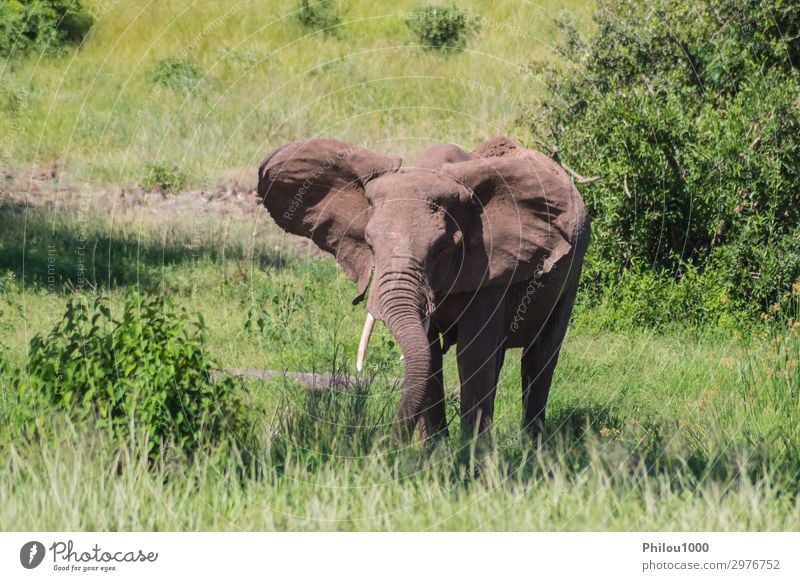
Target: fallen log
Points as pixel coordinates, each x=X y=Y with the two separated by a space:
x=314 y=381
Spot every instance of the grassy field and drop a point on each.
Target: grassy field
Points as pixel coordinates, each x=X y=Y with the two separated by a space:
x=645 y=431
x=687 y=429
x=263 y=79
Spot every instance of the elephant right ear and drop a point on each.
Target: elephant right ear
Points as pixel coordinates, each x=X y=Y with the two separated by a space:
x=527 y=214
x=315 y=188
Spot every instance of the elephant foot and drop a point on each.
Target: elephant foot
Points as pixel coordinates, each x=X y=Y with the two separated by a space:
x=430 y=434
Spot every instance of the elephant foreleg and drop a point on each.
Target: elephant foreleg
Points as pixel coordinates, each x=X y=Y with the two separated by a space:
x=479 y=355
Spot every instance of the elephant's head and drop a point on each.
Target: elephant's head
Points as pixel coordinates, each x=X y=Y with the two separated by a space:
x=454 y=223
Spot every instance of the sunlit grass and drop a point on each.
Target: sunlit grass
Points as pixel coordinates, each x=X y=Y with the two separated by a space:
x=645 y=431
x=266 y=80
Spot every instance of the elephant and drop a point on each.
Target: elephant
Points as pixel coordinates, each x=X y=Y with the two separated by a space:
x=479 y=249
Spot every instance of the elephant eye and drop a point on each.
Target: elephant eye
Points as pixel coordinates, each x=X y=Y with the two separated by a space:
x=441 y=247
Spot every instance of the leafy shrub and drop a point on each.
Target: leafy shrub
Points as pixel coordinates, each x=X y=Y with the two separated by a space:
x=164 y=178
x=176 y=74
x=441 y=27
x=278 y=304
x=657 y=300
x=28 y=25
x=322 y=15
x=145 y=374
x=690 y=113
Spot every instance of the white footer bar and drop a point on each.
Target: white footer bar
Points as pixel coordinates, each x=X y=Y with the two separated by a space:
x=389 y=556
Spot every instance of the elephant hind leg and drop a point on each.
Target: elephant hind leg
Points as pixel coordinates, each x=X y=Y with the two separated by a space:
x=501 y=357
x=539 y=361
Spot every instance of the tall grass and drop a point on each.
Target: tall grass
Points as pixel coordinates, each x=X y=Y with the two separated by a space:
x=336 y=472
x=645 y=430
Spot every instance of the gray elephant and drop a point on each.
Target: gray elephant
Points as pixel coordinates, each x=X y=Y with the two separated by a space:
x=479 y=249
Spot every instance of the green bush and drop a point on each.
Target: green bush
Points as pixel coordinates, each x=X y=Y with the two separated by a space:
x=658 y=300
x=163 y=178
x=35 y=25
x=321 y=15
x=690 y=112
x=176 y=74
x=441 y=27
x=144 y=375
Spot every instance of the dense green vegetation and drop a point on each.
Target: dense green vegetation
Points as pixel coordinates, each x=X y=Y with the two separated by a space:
x=441 y=27
x=28 y=26
x=674 y=406
x=145 y=374
x=690 y=113
x=319 y=15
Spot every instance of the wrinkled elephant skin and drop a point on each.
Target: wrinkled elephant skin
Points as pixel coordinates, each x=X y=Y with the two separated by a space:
x=481 y=249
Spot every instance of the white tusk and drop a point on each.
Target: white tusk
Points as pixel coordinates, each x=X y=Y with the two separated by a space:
x=369 y=323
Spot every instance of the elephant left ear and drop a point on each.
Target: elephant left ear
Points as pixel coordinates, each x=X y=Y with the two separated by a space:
x=524 y=218
x=317 y=188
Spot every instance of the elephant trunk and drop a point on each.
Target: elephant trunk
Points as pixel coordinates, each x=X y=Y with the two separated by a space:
x=403 y=306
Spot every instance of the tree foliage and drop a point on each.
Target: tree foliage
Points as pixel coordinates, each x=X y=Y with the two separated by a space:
x=36 y=25
x=690 y=112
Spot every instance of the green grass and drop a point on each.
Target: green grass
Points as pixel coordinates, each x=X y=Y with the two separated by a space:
x=265 y=79
x=684 y=429
x=645 y=431
x=71 y=485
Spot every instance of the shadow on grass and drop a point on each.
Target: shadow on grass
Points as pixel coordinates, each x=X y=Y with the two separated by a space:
x=316 y=427
x=54 y=251
x=592 y=437
x=352 y=429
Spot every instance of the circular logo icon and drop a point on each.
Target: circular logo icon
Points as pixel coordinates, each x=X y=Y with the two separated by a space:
x=31 y=554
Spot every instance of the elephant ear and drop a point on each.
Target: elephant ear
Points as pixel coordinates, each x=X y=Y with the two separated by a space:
x=524 y=218
x=315 y=188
